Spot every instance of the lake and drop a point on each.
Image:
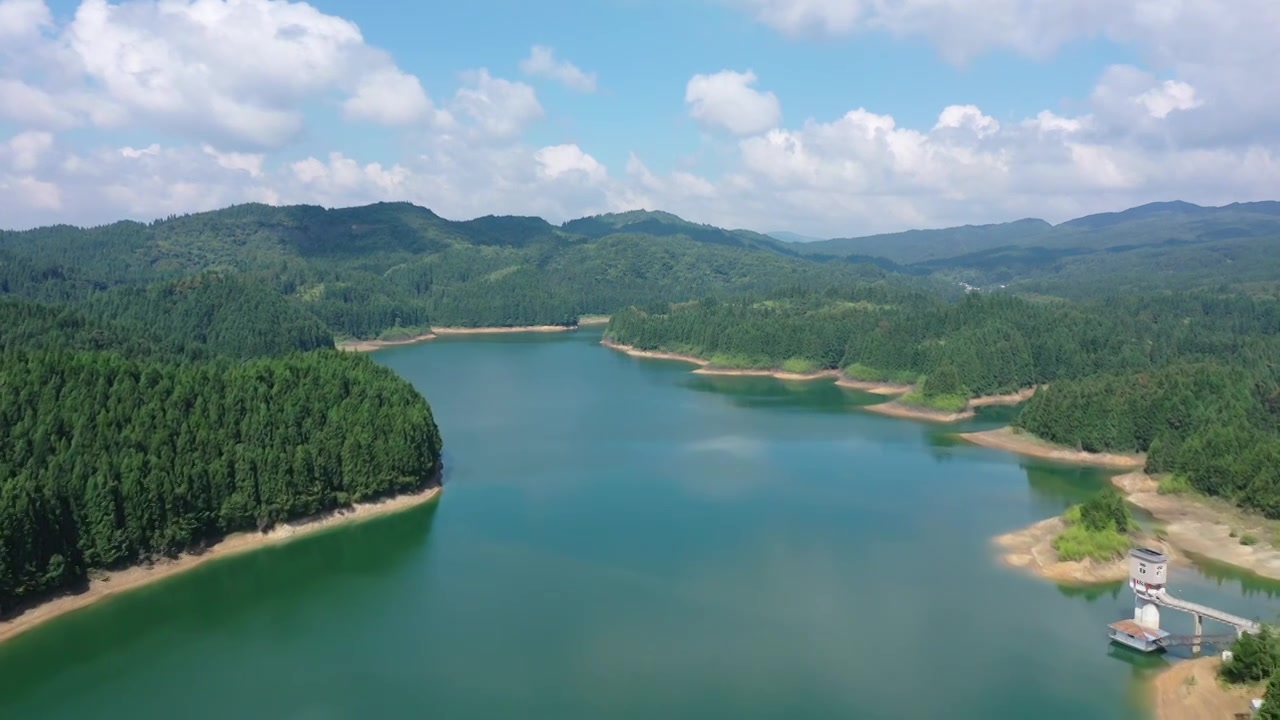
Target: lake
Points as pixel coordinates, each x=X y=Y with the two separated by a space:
x=620 y=538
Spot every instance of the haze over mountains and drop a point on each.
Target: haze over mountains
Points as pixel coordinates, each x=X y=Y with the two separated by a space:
x=1183 y=221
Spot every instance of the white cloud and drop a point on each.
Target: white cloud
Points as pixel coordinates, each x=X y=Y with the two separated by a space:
x=500 y=109
x=389 y=96
x=1218 y=54
x=22 y=18
x=559 y=161
x=727 y=100
x=212 y=92
x=543 y=63
x=232 y=71
x=247 y=162
x=24 y=151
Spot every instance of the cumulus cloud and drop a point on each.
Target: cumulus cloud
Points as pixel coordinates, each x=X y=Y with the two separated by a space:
x=500 y=109
x=211 y=93
x=542 y=62
x=22 y=18
x=728 y=101
x=235 y=71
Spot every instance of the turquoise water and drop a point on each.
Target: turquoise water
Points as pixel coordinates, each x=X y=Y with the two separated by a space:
x=620 y=538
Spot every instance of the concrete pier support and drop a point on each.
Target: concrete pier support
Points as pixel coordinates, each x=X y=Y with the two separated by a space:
x=1199 y=632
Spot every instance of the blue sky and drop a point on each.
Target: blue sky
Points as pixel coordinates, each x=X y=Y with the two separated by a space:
x=976 y=110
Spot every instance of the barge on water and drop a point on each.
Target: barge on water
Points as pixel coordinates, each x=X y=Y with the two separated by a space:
x=1130 y=633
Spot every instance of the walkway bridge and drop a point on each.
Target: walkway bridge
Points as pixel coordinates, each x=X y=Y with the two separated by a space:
x=1221 y=641
x=1148 y=575
x=1164 y=599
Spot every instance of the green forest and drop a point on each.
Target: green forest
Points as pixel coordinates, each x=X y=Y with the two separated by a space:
x=206 y=408
x=374 y=271
x=1191 y=379
x=168 y=382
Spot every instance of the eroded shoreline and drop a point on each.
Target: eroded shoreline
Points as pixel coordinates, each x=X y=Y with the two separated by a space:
x=121 y=581
x=502 y=329
x=371 y=345
x=1207 y=527
x=1006 y=438
x=1031 y=549
x=870 y=386
x=1190 y=523
x=1190 y=690
x=894 y=408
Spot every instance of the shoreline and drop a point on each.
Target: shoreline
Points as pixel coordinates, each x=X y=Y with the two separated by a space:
x=894 y=408
x=1007 y=399
x=1031 y=549
x=588 y=320
x=651 y=354
x=501 y=329
x=1007 y=439
x=875 y=387
x=371 y=345
x=1191 y=524
x=1206 y=527
x=121 y=581
x=776 y=374
x=1190 y=690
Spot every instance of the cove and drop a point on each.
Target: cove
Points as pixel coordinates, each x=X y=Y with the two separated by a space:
x=620 y=538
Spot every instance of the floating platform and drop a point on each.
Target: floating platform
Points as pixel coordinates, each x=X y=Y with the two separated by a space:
x=1131 y=634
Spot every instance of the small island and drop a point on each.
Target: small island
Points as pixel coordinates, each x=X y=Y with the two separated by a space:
x=1085 y=545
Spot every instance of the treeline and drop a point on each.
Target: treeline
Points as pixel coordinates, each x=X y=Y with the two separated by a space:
x=989 y=344
x=116 y=447
x=1191 y=379
x=381 y=268
x=1215 y=425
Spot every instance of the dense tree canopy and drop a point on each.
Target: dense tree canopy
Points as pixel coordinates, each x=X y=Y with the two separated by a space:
x=392 y=268
x=114 y=448
x=1192 y=379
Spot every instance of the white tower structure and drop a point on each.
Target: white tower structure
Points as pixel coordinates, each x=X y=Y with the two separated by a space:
x=1148 y=573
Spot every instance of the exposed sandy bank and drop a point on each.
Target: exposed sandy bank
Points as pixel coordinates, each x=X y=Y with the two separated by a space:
x=502 y=329
x=705 y=367
x=1204 y=526
x=778 y=374
x=130 y=578
x=1190 y=690
x=371 y=345
x=1031 y=549
x=874 y=387
x=593 y=320
x=1006 y=438
x=1009 y=399
x=913 y=412
x=652 y=354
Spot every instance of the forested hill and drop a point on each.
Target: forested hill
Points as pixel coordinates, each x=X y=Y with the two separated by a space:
x=1160 y=246
x=1193 y=379
x=194 y=412
x=394 y=268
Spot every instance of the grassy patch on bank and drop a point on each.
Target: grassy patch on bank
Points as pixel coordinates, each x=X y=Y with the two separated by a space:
x=1174 y=485
x=943 y=403
x=730 y=361
x=858 y=371
x=800 y=366
x=1097 y=530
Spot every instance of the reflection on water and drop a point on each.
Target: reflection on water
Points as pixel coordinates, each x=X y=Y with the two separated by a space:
x=1094 y=593
x=621 y=538
x=756 y=392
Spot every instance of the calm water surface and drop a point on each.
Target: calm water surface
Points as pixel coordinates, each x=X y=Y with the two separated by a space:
x=620 y=538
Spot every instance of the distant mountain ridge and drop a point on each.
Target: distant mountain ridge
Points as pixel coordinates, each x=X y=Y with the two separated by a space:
x=396 y=267
x=1158 y=222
